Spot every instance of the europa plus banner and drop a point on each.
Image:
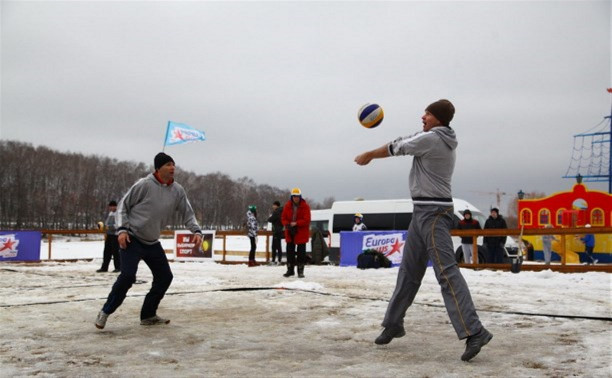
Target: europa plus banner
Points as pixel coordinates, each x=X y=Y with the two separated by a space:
x=20 y=245
x=186 y=248
x=390 y=243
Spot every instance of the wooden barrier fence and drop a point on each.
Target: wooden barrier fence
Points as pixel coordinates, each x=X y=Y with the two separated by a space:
x=562 y=232
x=222 y=235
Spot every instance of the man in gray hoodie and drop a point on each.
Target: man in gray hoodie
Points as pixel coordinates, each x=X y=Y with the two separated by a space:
x=429 y=231
x=148 y=206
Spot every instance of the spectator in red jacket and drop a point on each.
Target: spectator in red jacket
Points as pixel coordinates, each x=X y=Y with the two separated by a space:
x=296 y=219
x=467 y=223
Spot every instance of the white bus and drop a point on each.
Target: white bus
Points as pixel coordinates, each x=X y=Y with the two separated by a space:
x=386 y=215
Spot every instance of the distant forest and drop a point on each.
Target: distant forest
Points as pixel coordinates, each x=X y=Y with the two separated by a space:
x=46 y=189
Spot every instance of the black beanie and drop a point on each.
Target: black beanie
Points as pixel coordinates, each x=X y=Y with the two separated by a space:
x=443 y=110
x=112 y=203
x=161 y=159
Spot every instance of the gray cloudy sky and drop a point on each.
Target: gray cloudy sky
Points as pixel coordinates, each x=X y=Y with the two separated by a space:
x=276 y=86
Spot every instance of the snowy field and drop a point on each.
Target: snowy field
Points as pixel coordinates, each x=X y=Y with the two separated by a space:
x=230 y=320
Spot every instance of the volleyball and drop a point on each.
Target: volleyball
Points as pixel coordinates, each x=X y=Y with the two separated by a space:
x=370 y=115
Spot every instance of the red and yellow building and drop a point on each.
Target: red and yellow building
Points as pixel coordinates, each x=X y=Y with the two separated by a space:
x=575 y=208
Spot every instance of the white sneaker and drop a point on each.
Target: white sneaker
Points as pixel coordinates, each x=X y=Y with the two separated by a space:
x=101 y=319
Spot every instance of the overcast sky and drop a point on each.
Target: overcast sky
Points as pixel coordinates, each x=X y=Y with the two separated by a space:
x=276 y=86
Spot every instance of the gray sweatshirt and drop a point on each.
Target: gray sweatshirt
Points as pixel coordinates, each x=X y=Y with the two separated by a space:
x=150 y=205
x=110 y=223
x=432 y=166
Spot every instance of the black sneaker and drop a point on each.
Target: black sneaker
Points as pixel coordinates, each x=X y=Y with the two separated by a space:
x=101 y=270
x=389 y=333
x=475 y=342
x=154 y=320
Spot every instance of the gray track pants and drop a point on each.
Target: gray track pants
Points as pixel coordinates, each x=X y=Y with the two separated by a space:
x=429 y=238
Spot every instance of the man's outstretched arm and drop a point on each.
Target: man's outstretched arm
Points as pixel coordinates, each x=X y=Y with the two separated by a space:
x=379 y=153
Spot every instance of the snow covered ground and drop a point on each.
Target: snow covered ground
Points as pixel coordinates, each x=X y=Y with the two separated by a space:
x=230 y=320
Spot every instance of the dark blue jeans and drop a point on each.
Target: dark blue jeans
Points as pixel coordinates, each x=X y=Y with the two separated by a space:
x=588 y=252
x=291 y=254
x=253 y=248
x=155 y=258
x=496 y=254
x=277 y=249
x=111 y=249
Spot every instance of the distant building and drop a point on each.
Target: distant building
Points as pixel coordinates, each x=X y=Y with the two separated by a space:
x=567 y=209
x=574 y=208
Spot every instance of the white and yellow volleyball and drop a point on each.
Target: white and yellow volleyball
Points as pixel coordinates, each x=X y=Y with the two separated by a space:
x=370 y=115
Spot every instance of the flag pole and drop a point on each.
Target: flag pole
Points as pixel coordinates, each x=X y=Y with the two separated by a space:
x=166 y=137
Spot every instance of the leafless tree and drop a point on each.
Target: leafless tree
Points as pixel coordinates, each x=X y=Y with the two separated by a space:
x=46 y=189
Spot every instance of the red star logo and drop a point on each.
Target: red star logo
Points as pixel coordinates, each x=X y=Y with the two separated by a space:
x=8 y=245
x=178 y=135
x=395 y=247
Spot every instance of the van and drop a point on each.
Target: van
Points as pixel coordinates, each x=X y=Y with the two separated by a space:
x=319 y=220
x=386 y=215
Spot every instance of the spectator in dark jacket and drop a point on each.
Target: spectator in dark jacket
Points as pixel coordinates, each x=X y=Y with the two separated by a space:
x=468 y=223
x=495 y=244
x=111 y=243
x=277 y=232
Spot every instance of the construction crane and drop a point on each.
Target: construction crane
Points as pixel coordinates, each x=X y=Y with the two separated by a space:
x=498 y=195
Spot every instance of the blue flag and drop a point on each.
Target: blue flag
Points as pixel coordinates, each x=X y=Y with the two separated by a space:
x=178 y=133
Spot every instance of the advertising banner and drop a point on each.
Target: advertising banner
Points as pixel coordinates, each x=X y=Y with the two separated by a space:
x=186 y=249
x=389 y=243
x=20 y=245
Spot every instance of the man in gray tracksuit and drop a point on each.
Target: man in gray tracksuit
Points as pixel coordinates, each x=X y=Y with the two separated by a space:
x=148 y=206
x=429 y=231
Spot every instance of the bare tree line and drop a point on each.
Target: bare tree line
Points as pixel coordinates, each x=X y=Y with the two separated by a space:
x=46 y=189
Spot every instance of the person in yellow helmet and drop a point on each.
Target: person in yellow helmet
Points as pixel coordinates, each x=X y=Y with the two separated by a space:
x=359 y=225
x=296 y=219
